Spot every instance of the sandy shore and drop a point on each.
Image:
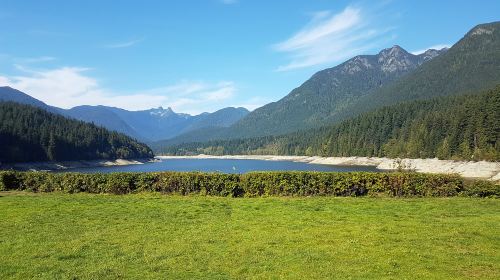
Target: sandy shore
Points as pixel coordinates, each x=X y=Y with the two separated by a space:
x=468 y=169
x=50 y=166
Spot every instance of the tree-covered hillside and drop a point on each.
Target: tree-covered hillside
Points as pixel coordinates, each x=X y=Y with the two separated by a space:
x=31 y=134
x=454 y=127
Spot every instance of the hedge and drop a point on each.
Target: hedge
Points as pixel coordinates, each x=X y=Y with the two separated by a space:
x=252 y=184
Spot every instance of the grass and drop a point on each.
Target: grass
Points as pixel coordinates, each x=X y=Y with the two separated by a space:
x=140 y=236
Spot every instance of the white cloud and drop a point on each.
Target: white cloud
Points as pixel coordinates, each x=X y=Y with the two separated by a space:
x=4 y=81
x=435 y=47
x=123 y=44
x=67 y=87
x=329 y=38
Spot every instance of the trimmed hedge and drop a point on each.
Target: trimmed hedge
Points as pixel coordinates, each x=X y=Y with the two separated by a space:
x=252 y=184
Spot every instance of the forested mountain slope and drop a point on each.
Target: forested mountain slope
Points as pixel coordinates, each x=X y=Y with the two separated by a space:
x=29 y=133
x=319 y=99
x=453 y=127
x=146 y=125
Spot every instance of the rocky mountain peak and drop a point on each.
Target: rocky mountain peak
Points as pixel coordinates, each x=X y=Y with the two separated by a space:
x=431 y=53
x=394 y=51
x=161 y=112
x=395 y=59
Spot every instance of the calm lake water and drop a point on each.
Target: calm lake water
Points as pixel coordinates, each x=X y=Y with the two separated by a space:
x=222 y=165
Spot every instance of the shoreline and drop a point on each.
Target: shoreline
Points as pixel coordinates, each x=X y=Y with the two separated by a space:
x=467 y=169
x=63 y=165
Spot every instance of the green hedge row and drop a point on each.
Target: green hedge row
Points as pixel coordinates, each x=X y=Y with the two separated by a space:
x=252 y=184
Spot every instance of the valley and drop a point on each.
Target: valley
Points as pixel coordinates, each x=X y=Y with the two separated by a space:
x=236 y=139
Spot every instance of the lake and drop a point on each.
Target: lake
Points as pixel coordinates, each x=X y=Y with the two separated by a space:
x=222 y=165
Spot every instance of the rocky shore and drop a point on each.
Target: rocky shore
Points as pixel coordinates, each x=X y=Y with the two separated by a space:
x=51 y=166
x=468 y=169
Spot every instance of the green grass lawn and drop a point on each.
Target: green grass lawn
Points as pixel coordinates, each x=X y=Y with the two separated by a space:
x=84 y=236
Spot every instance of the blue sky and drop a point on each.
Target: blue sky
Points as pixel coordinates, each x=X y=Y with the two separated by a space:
x=202 y=55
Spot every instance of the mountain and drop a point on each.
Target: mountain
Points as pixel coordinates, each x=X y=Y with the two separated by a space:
x=472 y=65
x=207 y=126
x=29 y=133
x=14 y=95
x=453 y=127
x=103 y=116
x=160 y=123
x=222 y=118
x=365 y=83
x=146 y=125
x=318 y=100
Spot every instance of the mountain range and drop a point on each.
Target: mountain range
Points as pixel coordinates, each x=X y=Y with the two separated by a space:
x=319 y=100
x=147 y=125
x=365 y=83
x=360 y=85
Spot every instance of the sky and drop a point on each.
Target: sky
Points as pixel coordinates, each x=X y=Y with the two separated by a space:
x=202 y=55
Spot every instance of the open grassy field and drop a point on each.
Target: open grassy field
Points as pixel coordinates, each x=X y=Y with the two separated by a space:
x=84 y=236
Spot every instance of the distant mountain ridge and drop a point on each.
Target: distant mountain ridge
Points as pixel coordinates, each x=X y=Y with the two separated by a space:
x=146 y=125
x=10 y=94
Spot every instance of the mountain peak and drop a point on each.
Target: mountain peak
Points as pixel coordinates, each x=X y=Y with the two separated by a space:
x=393 y=51
x=161 y=112
x=395 y=59
x=432 y=53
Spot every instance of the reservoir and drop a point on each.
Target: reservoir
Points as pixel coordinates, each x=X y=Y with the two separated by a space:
x=222 y=165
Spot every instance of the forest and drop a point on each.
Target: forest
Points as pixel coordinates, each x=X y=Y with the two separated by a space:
x=28 y=133
x=465 y=127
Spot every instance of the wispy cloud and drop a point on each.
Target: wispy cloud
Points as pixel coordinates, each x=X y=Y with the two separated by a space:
x=125 y=44
x=39 y=59
x=434 y=47
x=15 y=60
x=67 y=87
x=330 y=37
